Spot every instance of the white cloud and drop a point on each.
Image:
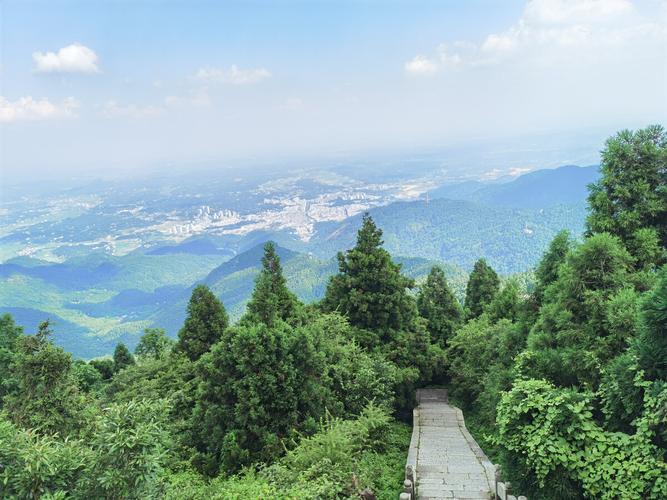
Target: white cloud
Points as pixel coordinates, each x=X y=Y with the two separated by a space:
x=559 y=29
x=198 y=98
x=29 y=109
x=421 y=65
x=514 y=171
x=292 y=104
x=74 y=58
x=233 y=75
x=112 y=109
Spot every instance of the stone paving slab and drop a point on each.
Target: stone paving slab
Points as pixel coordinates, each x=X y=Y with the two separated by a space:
x=449 y=463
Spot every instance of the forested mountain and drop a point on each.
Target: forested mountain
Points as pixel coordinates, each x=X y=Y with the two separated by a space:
x=540 y=189
x=564 y=385
x=460 y=232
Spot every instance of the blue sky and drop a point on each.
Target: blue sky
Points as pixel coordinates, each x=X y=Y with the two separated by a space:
x=97 y=87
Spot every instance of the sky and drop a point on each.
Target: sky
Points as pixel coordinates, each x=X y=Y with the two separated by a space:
x=98 y=87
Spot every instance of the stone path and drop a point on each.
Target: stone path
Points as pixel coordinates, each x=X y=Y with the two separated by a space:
x=449 y=462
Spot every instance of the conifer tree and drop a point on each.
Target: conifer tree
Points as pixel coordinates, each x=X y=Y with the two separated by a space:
x=369 y=288
x=271 y=300
x=482 y=286
x=436 y=303
x=652 y=342
x=506 y=303
x=204 y=325
x=547 y=270
x=10 y=333
x=122 y=357
x=47 y=397
x=630 y=198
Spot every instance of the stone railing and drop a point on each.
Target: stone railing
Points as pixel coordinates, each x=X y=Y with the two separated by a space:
x=503 y=488
x=411 y=463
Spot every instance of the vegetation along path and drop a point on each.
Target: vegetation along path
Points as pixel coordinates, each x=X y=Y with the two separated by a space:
x=444 y=460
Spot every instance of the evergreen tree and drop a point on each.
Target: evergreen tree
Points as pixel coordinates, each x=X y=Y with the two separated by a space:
x=630 y=199
x=271 y=300
x=253 y=392
x=369 y=288
x=204 y=325
x=154 y=344
x=506 y=304
x=122 y=357
x=47 y=397
x=547 y=270
x=652 y=342
x=436 y=303
x=10 y=333
x=482 y=286
x=580 y=325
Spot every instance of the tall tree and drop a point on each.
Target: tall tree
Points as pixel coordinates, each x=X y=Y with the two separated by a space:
x=47 y=398
x=652 y=342
x=577 y=330
x=122 y=357
x=10 y=333
x=271 y=299
x=369 y=288
x=506 y=303
x=204 y=325
x=437 y=304
x=547 y=270
x=630 y=198
x=482 y=286
x=251 y=395
x=154 y=344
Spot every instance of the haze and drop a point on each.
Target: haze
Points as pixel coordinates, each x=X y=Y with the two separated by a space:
x=92 y=88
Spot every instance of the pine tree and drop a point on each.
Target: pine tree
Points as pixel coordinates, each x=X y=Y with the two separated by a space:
x=630 y=199
x=436 y=303
x=652 y=342
x=122 y=357
x=369 y=288
x=204 y=325
x=271 y=300
x=10 y=333
x=482 y=286
x=506 y=303
x=547 y=270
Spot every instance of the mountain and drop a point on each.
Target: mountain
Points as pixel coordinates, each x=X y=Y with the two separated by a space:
x=539 y=189
x=307 y=276
x=460 y=232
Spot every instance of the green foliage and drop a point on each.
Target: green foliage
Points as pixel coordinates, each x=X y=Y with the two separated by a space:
x=344 y=457
x=204 y=325
x=547 y=270
x=582 y=324
x=474 y=350
x=87 y=377
x=438 y=306
x=652 y=342
x=255 y=387
x=370 y=289
x=553 y=432
x=47 y=398
x=35 y=466
x=128 y=442
x=482 y=286
x=271 y=300
x=10 y=333
x=122 y=357
x=630 y=199
x=622 y=393
x=104 y=366
x=506 y=304
x=154 y=344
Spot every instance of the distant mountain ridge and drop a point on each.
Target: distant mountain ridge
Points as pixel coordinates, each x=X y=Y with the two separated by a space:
x=537 y=189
